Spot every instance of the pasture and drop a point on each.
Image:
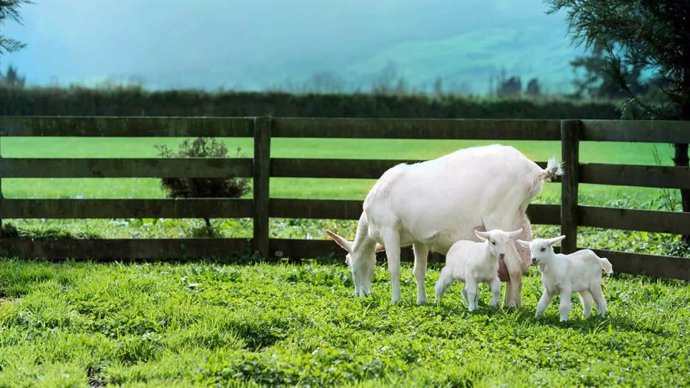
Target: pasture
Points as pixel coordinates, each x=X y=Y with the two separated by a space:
x=78 y=324
x=177 y=324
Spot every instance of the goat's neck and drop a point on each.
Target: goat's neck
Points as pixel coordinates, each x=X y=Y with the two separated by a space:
x=362 y=243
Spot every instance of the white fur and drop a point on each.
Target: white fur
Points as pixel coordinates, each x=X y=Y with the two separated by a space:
x=564 y=274
x=475 y=262
x=433 y=204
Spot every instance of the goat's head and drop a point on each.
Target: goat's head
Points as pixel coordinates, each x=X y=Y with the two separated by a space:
x=362 y=262
x=498 y=240
x=540 y=248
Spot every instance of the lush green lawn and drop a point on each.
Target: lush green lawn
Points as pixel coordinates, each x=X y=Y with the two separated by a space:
x=75 y=324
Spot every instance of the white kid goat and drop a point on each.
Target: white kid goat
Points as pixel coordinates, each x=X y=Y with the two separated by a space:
x=431 y=205
x=474 y=262
x=564 y=274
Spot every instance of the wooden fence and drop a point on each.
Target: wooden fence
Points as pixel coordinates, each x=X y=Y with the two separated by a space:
x=569 y=214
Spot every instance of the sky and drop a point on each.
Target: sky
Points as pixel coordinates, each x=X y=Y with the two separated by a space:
x=295 y=44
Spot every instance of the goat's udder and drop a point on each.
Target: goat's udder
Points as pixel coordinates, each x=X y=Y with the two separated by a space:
x=503 y=271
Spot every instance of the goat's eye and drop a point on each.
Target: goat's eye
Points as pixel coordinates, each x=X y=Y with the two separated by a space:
x=493 y=242
x=543 y=249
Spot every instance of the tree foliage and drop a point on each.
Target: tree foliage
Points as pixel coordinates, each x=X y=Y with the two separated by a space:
x=638 y=36
x=9 y=10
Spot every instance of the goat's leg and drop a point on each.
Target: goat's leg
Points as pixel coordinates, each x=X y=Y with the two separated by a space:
x=392 y=242
x=514 y=285
x=471 y=293
x=595 y=290
x=445 y=280
x=495 y=286
x=543 y=303
x=586 y=299
x=421 y=254
x=566 y=305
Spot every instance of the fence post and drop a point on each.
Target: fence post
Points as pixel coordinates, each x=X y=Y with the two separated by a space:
x=261 y=166
x=570 y=152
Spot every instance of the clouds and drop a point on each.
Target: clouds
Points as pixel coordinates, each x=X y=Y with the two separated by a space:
x=211 y=43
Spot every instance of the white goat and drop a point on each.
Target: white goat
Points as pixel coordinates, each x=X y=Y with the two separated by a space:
x=564 y=274
x=473 y=263
x=433 y=204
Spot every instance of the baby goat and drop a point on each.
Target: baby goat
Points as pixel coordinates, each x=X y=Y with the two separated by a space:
x=475 y=262
x=564 y=274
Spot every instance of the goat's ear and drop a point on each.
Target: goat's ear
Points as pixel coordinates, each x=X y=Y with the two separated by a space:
x=380 y=247
x=515 y=233
x=342 y=241
x=523 y=243
x=482 y=235
x=554 y=240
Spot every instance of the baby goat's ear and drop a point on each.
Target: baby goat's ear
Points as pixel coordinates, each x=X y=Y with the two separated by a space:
x=554 y=240
x=482 y=235
x=515 y=233
x=523 y=243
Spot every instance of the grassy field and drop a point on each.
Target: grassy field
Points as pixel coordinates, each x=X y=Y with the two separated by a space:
x=79 y=324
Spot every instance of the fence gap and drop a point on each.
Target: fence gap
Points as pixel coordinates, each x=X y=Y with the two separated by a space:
x=261 y=176
x=570 y=153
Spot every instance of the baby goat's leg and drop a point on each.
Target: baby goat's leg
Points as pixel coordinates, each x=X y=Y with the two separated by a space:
x=444 y=281
x=495 y=286
x=595 y=289
x=586 y=299
x=566 y=305
x=543 y=303
x=471 y=293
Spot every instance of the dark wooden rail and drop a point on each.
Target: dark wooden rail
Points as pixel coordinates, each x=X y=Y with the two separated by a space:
x=569 y=214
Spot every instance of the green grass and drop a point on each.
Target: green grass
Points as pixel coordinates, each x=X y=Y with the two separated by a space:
x=79 y=324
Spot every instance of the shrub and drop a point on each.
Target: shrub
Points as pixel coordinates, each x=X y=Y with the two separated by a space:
x=202 y=147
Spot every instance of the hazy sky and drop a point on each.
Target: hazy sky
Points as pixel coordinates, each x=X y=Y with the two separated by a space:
x=259 y=44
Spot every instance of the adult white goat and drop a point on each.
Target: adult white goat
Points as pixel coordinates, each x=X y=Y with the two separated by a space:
x=474 y=262
x=431 y=205
x=564 y=274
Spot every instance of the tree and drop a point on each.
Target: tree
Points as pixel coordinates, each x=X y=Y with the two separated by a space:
x=533 y=88
x=12 y=79
x=594 y=80
x=510 y=87
x=9 y=9
x=652 y=36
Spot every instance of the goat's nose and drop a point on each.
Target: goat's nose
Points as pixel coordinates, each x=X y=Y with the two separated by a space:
x=534 y=260
x=501 y=256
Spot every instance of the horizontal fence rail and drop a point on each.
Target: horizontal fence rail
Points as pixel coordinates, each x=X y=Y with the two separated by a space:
x=126 y=249
x=569 y=214
x=126 y=208
x=639 y=131
x=125 y=168
x=417 y=128
x=126 y=126
x=640 y=176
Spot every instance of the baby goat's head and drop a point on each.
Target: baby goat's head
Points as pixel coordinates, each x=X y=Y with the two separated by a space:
x=540 y=248
x=498 y=240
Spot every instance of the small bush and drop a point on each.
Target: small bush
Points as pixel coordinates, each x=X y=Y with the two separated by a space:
x=202 y=147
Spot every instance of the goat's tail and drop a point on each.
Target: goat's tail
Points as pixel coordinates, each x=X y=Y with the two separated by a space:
x=552 y=170
x=606 y=265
